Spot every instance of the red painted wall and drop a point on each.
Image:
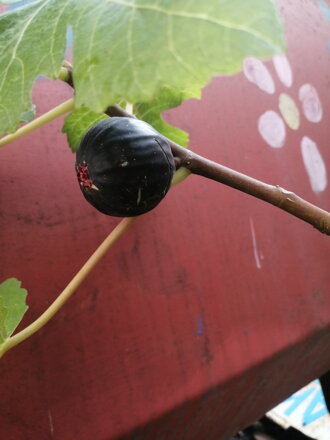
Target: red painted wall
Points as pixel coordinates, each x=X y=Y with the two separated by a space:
x=209 y=310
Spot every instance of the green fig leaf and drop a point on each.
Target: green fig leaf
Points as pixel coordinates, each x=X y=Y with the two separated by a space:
x=77 y=123
x=129 y=49
x=28 y=115
x=151 y=112
x=12 y=307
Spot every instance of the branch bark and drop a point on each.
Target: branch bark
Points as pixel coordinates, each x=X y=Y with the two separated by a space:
x=277 y=196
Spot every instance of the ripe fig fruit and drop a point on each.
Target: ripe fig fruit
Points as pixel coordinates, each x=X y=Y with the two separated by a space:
x=124 y=166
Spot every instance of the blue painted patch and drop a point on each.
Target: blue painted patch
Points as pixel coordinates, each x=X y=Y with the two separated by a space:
x=325 y=9
x=315 y=409
x=69 y=38
x=41 y=78
x=200 y=329
x=328 y=46
x=296 y=399
x=19 y=4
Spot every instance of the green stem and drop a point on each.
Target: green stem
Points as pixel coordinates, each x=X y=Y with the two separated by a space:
x=65 y=73
x=180 y=175
x=70 y=288
x=61 y=109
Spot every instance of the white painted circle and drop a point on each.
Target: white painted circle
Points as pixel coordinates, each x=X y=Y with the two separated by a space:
x=311 y=103
x=283 y=69
x=257 y=73
x=272 y=129
x=314 y=164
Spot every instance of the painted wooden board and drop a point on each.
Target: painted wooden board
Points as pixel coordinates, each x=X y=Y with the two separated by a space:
x=214 y=307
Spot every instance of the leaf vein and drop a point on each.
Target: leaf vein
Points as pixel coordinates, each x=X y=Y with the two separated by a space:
x=19 y=41
x=194 y=16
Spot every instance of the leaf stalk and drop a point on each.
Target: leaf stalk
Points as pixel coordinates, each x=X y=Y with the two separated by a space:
x=69 y=289
x=54 y=113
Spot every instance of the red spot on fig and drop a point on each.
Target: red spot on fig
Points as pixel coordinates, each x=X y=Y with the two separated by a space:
x=83 y=176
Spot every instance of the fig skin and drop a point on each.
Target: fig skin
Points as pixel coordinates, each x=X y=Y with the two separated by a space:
x=124 y=166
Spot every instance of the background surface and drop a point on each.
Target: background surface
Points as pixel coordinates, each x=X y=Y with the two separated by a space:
x=209 y=311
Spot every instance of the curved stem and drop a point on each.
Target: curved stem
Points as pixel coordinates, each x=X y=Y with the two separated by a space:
x=54 y=113
x=70 y=288
x=277 y=196
x=180 y=175
x=65 y=73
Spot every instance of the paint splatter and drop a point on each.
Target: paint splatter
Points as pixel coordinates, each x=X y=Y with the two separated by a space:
x=257 y=73
x=314 y=165
x=19 y=4
x=311 y=103
x=272 y=129
x=283 y=69
x=51 y=423
x=256 y=252
x=289 y=111
x=200 y=327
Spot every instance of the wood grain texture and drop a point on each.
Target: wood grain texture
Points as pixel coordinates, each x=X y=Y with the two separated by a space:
x=207 y=313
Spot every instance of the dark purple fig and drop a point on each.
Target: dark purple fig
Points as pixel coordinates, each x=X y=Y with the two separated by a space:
x=124 y=166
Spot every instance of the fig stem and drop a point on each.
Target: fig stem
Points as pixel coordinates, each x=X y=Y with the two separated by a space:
x=70 y=288
x=54 y=113
x=180 y=175
x=65 y=73
x=275 y=195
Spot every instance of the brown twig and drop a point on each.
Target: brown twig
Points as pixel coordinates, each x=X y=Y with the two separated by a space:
x=277 y=196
